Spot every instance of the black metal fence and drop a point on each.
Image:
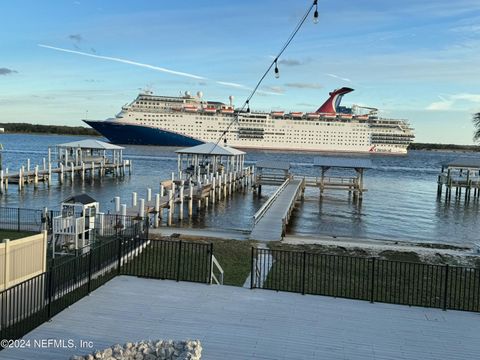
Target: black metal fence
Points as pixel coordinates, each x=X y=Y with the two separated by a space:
x=16 y=219
x=32 y=302
x=375 y=280
x=168 y=259
x=106 y=226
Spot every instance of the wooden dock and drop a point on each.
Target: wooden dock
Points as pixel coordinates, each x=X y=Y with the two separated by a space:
x=85 y=157
x=271 y=220
x=462 y=174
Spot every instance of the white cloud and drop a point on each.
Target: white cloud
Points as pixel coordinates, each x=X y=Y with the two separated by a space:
x=452 y=101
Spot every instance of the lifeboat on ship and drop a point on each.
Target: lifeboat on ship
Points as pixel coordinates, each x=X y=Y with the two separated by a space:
x=330 y=116
x=190 y=108
x=210 y=110
x=227 y=111
x=296 y=114
x=346 y=116
x=277 y=113
x=361 y=117
x=313 y=115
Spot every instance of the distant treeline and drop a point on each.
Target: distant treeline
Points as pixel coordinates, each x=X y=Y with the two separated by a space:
x=425 y=146
x=47 y=129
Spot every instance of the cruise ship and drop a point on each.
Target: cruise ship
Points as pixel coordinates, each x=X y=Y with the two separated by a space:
x=190 y=120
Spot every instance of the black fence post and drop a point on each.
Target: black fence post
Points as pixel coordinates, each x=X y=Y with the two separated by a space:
x=147 y=225
x=210 y=265
x=304 y=271
x=50 y=292
x=89 y=271
x=372 y=282
x=252 y=273
x=119 y=257
x=445 y=290
x=18 y=219
x=179 y=258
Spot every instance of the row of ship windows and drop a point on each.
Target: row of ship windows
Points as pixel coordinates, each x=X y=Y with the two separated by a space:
x=227 y=123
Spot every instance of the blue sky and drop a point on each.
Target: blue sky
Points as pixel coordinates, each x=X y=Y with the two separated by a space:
x=418 y=60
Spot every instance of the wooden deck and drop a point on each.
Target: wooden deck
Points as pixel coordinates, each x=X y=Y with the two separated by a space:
x=237 y=323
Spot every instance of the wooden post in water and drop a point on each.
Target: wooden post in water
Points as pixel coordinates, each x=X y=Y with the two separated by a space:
x=44 y=164
x=1 y=182
x=20 y=178
x=134 y=199
x=149 y=194
x=190 y=201
x=72 y=167
x=214 y=189
x=49 y=174
x=83 y=171
x=28 y=165
x=6 y=179
x=35 y=177
x=180 y=213
x=92 y=170
x=141 y=209
x=173 y=200
x=170 y=207
x=157 y=210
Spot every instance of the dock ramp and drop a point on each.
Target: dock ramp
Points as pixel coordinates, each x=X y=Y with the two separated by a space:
x=271 y=220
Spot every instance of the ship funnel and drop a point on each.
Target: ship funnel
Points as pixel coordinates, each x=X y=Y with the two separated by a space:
x=199 y=94
x=231 y=100
x=187 y=93
x=331 y=105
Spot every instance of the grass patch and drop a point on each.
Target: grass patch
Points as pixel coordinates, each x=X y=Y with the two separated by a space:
x=393 y=276
x=13 y=235
x=234 y=256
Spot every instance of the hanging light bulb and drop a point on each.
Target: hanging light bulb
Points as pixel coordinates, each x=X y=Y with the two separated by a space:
x=315 y=14
x=277 y=73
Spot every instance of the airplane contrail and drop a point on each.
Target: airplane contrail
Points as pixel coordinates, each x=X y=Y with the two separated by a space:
x=125 y=61
x=152 y=67
x=338 y=77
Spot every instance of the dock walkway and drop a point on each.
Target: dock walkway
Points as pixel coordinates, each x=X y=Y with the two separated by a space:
x=270 y=221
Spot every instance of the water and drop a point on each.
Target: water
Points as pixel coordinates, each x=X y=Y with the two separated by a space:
x=400 y=203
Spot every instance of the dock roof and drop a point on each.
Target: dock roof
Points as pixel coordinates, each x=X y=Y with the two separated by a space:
x=341 y=162
x=464 y=162
x=211 y=149
x=80 y=198
x=91 y=144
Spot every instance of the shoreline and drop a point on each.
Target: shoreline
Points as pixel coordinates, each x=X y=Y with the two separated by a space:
x=432 y=253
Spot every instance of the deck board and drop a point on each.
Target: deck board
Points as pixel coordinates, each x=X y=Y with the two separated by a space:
x=238 y=323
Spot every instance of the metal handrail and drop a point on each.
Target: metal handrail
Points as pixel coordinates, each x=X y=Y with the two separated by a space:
x=220 y=269
x=259 y=214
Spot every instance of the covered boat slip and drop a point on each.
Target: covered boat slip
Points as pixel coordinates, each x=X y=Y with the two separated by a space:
x=270 y=221
x=461 y=173
x=350 y=175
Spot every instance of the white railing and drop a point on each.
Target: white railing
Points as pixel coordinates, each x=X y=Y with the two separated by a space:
x=213 y=277
x=258 y=215
x=68 y=225
x=288 y=211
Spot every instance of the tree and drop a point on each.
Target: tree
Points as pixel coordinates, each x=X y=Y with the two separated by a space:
x=476 y=124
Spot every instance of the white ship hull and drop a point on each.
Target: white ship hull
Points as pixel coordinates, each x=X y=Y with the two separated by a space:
x=185 y=121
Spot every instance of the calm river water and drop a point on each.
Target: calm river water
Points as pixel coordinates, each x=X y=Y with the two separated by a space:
x=400 y=203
